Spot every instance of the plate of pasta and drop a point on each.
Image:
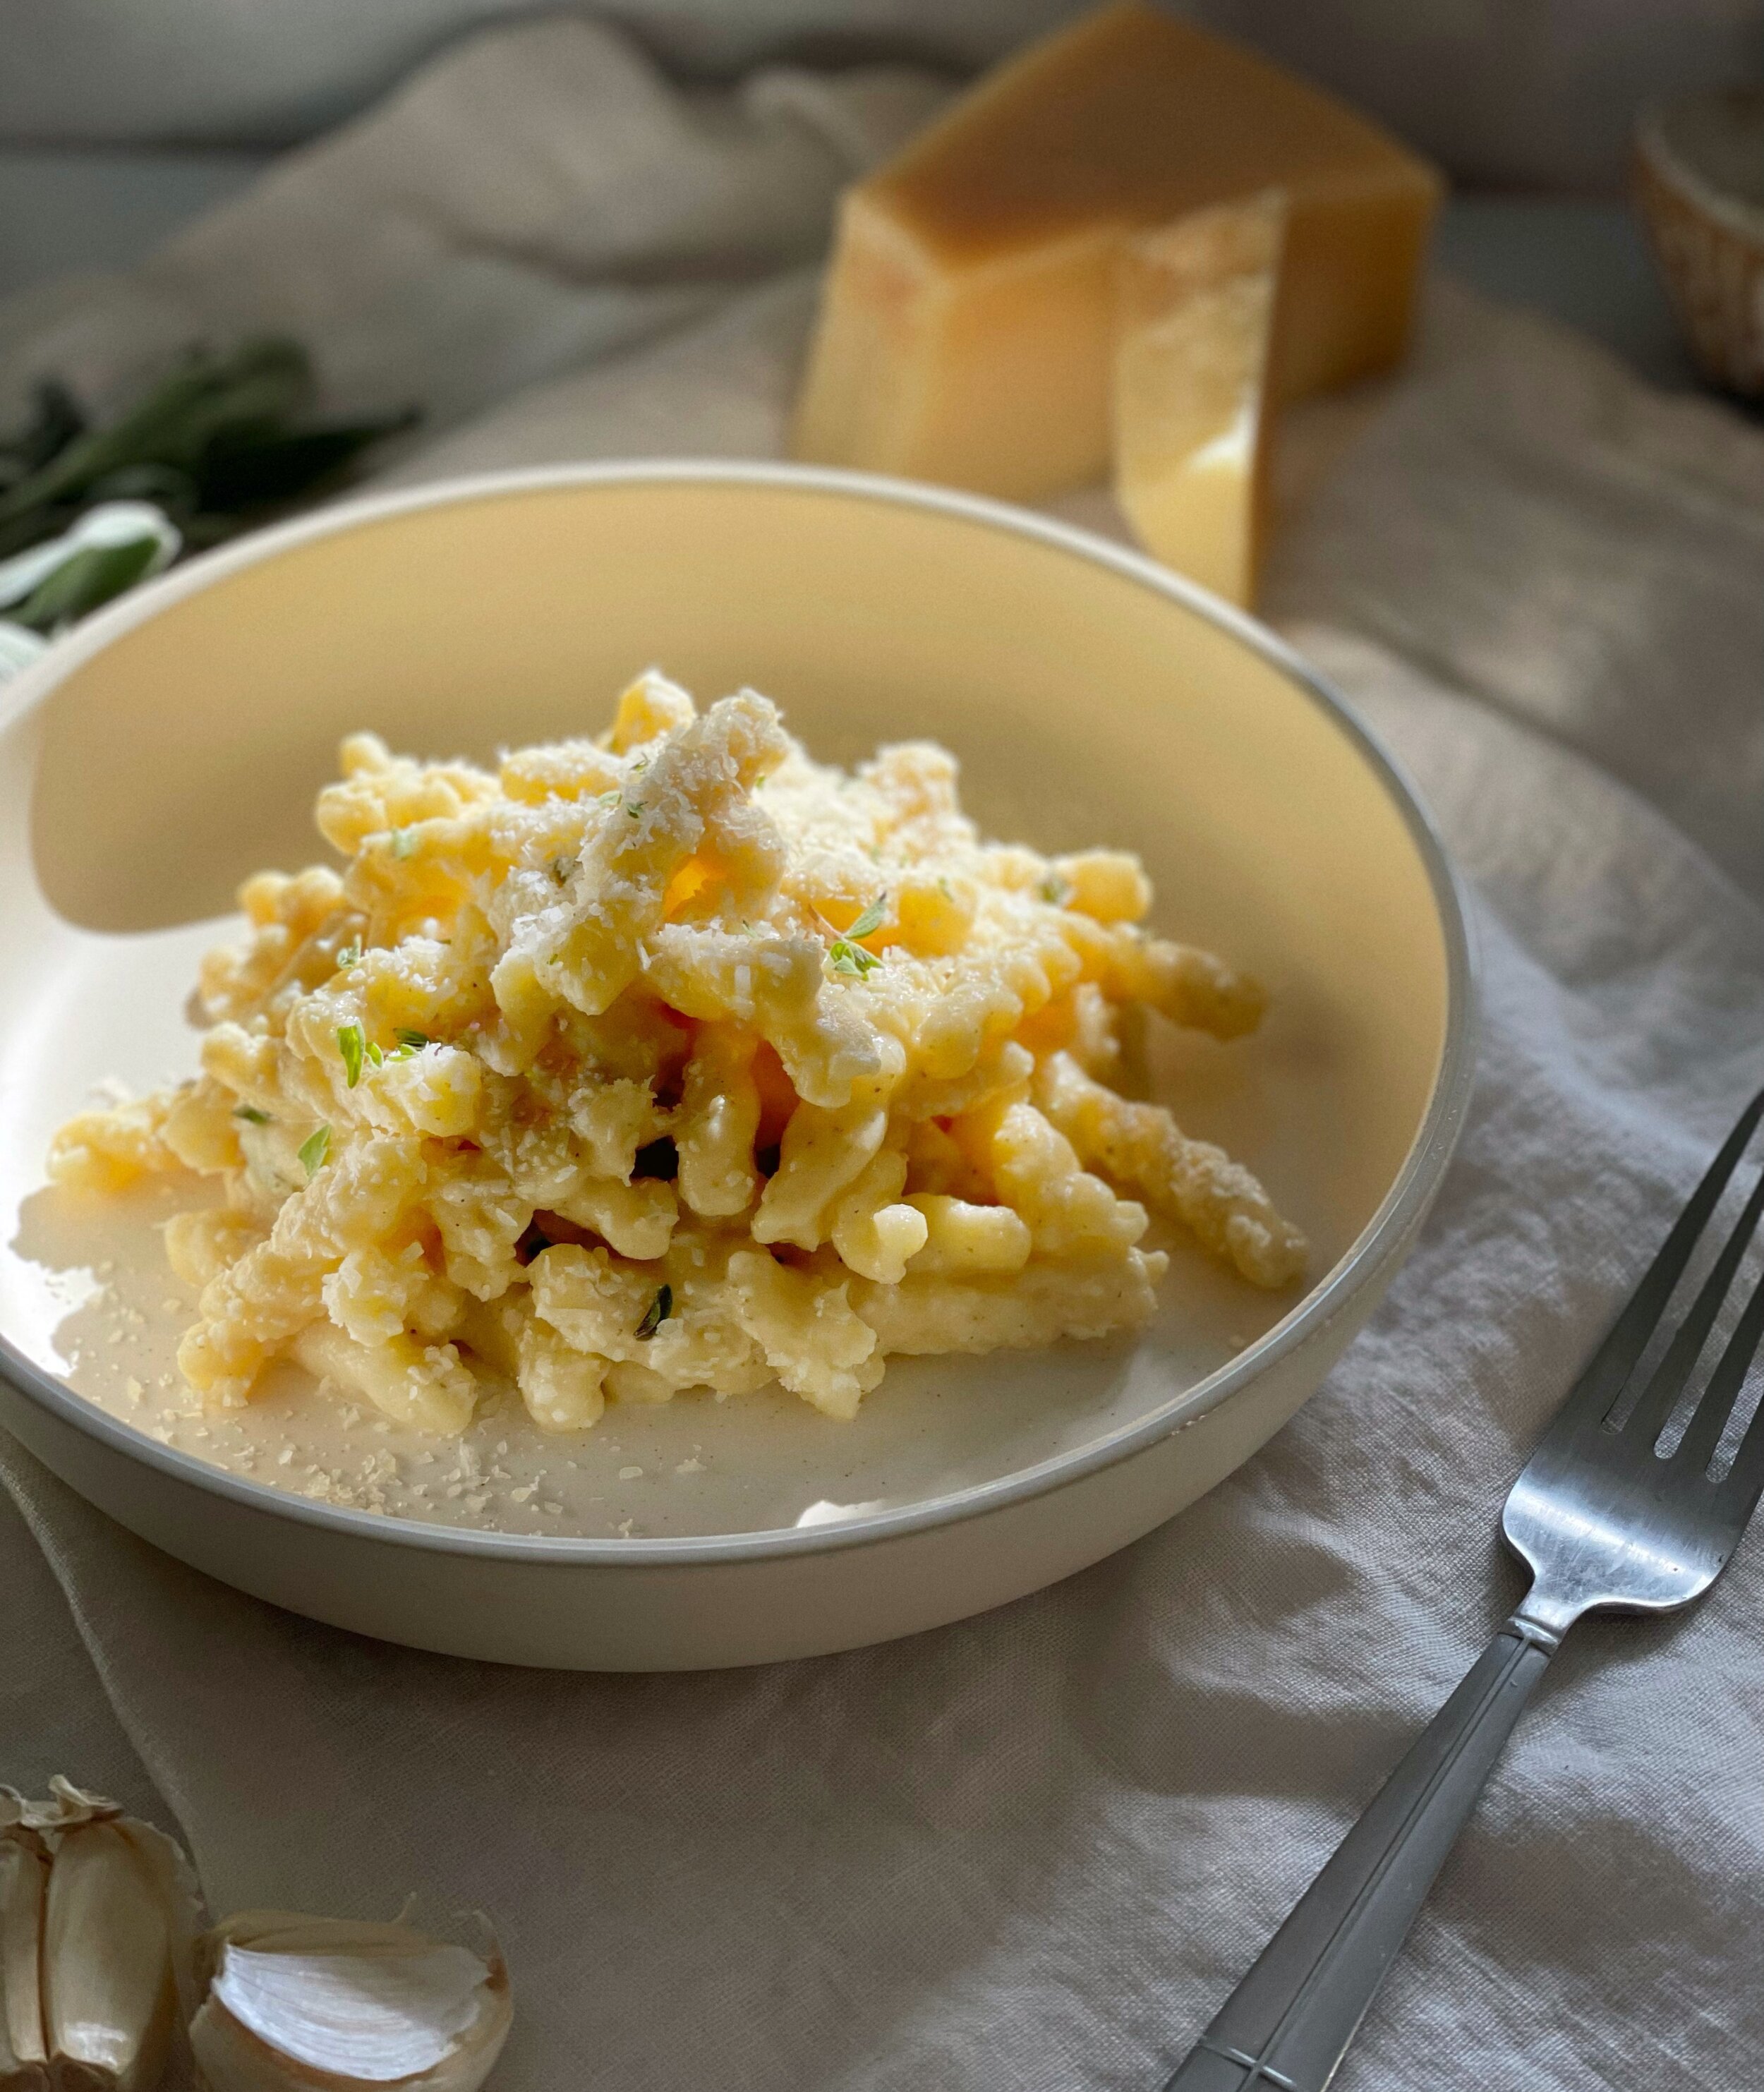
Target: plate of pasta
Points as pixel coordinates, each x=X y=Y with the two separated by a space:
x=657 y=1066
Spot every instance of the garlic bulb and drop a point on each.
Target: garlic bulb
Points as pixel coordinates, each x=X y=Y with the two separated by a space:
x=100 y=1968
x=98 y=1915
x=326 y=2002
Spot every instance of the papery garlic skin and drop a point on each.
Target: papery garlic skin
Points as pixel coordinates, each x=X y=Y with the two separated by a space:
x=294 y=2001
x=24 y=1885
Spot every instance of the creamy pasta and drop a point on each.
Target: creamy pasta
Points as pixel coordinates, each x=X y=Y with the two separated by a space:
x=673 y=1060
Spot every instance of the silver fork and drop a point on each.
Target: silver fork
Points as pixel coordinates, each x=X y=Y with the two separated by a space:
x=1604 y=1522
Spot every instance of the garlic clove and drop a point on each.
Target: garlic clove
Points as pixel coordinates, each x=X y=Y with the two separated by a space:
x=328 y=2002
x=110 y=1996
x=23 y=1885
x=108 y=1919
x=167 y=1866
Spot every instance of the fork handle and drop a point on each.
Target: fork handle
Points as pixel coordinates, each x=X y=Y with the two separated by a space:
x=1287 y=2025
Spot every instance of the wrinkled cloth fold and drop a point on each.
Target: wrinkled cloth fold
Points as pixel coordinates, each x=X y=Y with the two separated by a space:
x=1036 y=1849
x=529 y=200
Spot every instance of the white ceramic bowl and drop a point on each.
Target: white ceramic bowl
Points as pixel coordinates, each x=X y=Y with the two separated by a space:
x=175 y=743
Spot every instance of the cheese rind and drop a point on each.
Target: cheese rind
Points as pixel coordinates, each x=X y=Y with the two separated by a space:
x=1199 y=308
x=967 y=326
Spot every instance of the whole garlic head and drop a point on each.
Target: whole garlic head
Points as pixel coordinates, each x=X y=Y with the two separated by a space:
x=329 y=2003
x=98 y=1916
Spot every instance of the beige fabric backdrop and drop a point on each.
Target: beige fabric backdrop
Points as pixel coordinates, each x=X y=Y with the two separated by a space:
x=1510 y=93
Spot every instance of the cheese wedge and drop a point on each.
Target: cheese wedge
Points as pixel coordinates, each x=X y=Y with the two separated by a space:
x=1199 y=312
x=967 y=328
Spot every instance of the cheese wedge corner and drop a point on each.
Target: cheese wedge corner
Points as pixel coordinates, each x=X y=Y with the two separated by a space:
x=966 y=332
x=1197 y=339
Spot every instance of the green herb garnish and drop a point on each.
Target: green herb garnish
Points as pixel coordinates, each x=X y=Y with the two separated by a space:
x=314 y=1150
x=413 y=1042
x=348 y=956
x=870 y=920
x=634 y=809
x=215 y=444
x=656 y=1313
x=1055 y=890
x=852 y=960
x=376 y=1058
x=404 y=841
x=352 y=1045
x=89 y=575
x=251 y=1114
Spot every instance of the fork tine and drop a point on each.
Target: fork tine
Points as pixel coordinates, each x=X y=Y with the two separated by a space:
x=1602 y=1382
x=1745 y=1477
x=1660 y=1397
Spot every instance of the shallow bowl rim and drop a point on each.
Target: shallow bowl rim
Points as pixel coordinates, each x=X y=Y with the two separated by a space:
x=1383 y=1237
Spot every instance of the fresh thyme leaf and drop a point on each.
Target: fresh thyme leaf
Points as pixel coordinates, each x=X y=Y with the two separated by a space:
x=850 y=959
x=404 y=841
x=413 y=1041
x=90 y=575
x=165 y=485
x=376 y=1058
x=313 y=1150
x=656 y=1313
x=250 y=1112
x=870 y=920
x=260 y=385
x=57 y=418
x=348 y=956
x=252 y=468
x=214 y=441
x=609 y=798
x=634 y=809
x=352 y=1045
x=1055 y=890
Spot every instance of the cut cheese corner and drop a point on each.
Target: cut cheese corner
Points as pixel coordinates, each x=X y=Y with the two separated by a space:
x=966 y=332
x=1196 y=349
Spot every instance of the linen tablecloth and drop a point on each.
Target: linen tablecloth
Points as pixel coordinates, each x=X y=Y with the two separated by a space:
x=1034 y=1850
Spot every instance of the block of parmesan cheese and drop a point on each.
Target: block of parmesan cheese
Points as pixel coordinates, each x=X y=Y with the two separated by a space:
x=1199 y=315
x=966 y=326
